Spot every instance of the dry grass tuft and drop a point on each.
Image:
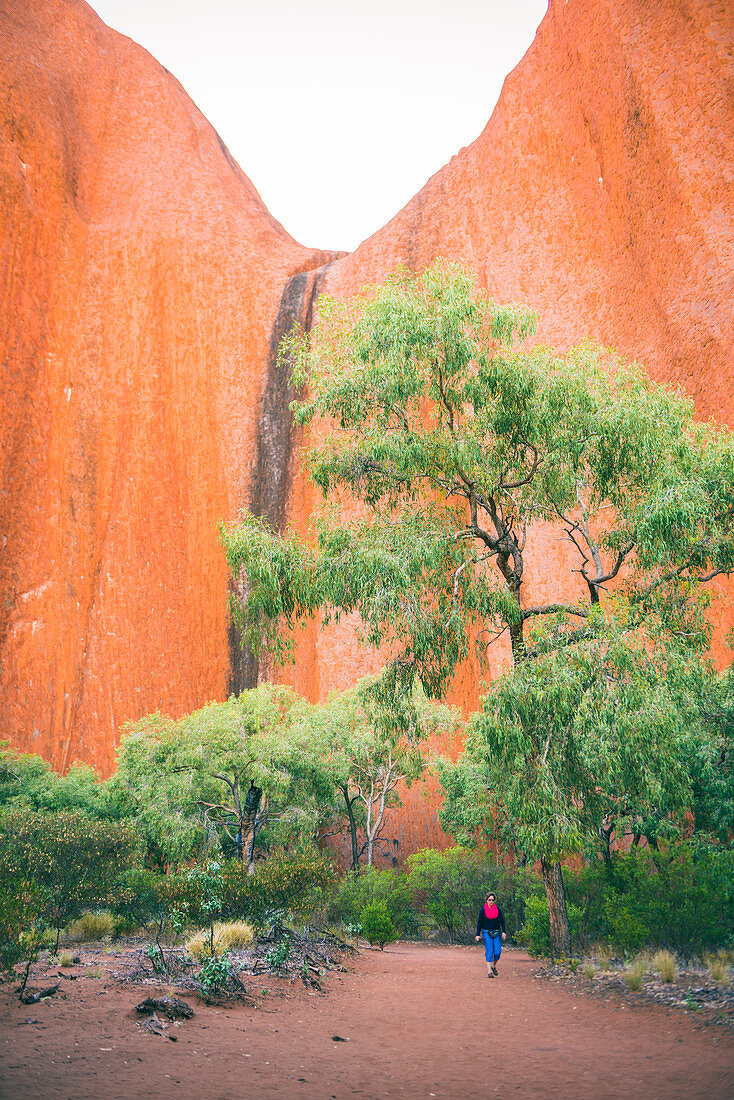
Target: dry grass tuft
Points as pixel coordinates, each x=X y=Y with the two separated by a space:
x=90 y=927
x=66 y=959
x=589 y=970
x=635 y=974
x=664 y=963
x=718 y=967
x=227 y=936
x=602 y=956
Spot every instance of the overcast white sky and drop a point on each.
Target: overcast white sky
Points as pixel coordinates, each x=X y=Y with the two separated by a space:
x=337 y=110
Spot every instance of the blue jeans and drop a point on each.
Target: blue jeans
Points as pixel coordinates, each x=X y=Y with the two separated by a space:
x=492 y=946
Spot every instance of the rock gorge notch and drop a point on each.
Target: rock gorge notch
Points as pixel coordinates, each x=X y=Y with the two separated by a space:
x=145 y=287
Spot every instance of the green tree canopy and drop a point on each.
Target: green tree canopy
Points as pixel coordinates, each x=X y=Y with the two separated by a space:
x=370 y=757
x=444 y=445
x=224 y=774
x=460 y=441
x=28 y=780
x=609 y=734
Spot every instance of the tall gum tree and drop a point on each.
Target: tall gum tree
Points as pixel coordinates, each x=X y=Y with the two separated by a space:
x=371 y=757
x=460 y=441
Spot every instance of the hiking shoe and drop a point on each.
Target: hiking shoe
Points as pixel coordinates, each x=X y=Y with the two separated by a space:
x=494 y=970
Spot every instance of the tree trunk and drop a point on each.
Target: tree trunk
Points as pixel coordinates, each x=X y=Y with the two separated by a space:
x=517 y=640
x=250 y=824
x=511 y=568
x=606 y=830
x=352 y=827
x=560 y=933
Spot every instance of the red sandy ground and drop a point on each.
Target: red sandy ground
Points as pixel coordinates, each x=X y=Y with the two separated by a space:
x=421 y=1021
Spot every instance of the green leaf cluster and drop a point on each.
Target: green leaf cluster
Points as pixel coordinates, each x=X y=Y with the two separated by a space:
x=443 y=443
x=615 y=732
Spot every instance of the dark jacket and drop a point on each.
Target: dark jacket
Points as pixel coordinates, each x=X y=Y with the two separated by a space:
x=494 y=926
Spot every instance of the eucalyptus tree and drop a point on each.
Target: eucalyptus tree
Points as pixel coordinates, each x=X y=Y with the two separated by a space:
x=371 y=759
x=461 y=444
x=607 y=738
x=233 y=768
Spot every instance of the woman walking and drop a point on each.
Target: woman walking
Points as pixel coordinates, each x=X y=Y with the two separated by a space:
x=491 y=928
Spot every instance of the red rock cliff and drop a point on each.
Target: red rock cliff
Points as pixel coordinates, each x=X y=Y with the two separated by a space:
x=600 y=193
x=140 y=279
x=144 y=286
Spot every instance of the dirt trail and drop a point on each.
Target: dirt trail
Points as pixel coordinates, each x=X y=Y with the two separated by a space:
x=420 y=1021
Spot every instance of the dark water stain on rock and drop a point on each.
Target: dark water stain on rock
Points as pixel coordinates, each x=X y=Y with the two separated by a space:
x=275 y=439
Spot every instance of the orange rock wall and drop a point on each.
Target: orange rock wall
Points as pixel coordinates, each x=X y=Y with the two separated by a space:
x=143 y=285
x=600 y=194
x=140 y=276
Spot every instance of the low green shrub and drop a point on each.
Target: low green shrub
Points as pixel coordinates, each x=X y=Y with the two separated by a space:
x=279 y=955
x=377 y=926
x=450 y=886
x=681 y=898
x=75 y=861
x=355 y=891
x=214 y=973
x=284 y=886
x=535 y=932
x=24 y=931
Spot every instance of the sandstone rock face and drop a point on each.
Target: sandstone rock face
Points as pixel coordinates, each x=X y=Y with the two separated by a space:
x=144 y=288
x=140 y=279
x=600 y=193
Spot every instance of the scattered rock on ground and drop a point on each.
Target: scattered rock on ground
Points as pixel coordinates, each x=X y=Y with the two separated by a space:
x=172 y=1007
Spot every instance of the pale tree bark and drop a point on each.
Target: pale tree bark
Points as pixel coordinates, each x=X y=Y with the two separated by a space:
x=374 y=786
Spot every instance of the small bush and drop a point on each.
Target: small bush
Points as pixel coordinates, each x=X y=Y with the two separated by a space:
x=22 y=912
x=214 y=973
x=90 y=927
x=66 y=959
x=279 y=955
x=589 y=970
x=377 y=927
x=450 y=886
x=625 y=930
x=535 y=932
x=355 y=891
x=664 y=963
x=285 y=884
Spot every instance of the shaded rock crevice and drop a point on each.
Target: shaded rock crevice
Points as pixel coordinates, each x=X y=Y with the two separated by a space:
x=275 y=444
